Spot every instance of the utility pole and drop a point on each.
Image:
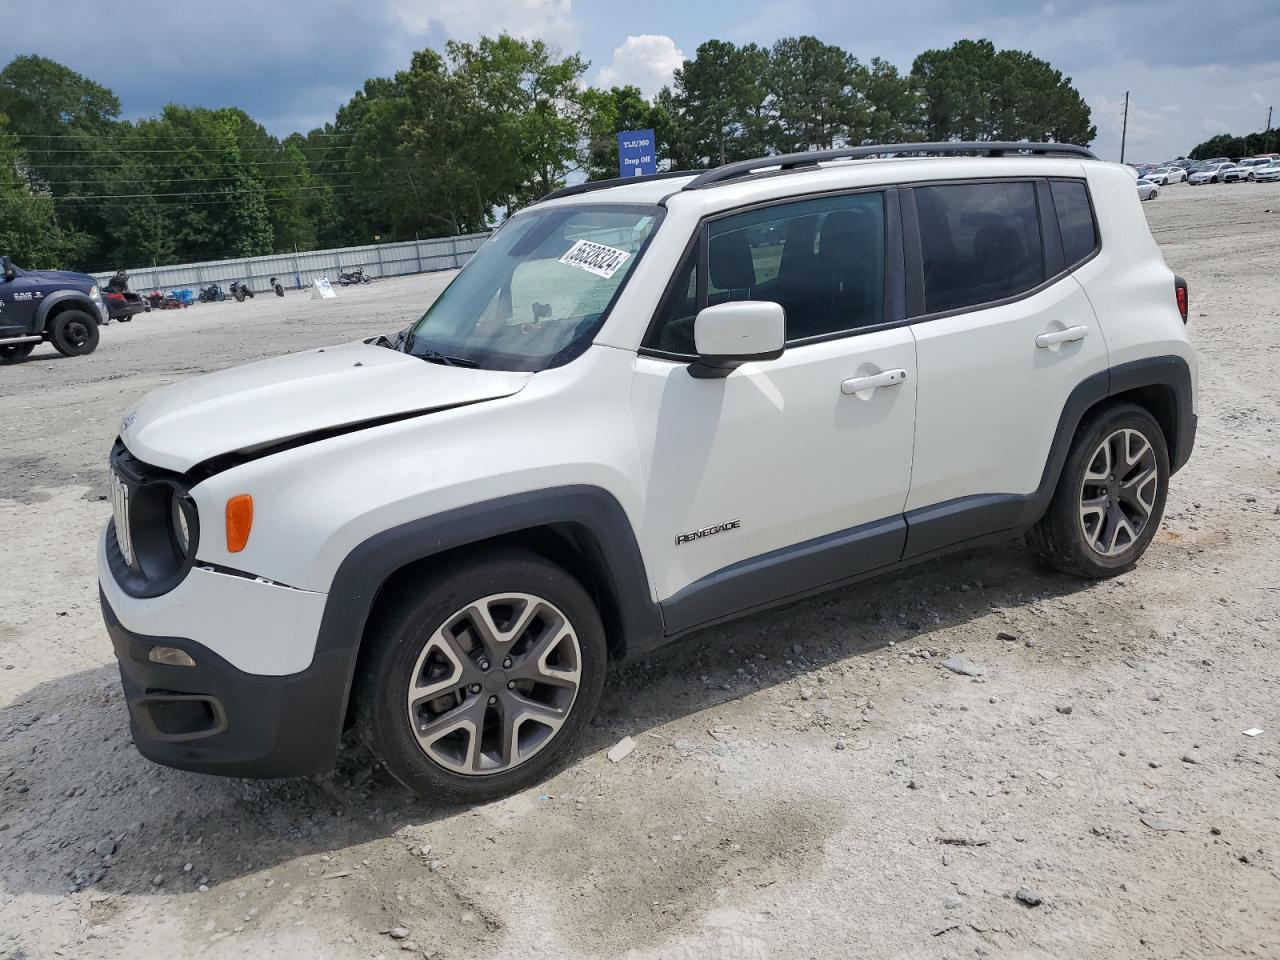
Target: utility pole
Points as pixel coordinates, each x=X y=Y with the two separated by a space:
x=1124 y=129
x=1266 y=137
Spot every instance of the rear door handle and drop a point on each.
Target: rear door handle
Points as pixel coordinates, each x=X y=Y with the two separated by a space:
x=889 y=378
x=1062 y=336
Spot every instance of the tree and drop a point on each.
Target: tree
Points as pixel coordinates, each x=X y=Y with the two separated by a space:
x=972 y=92
x=29 y=229
x=41 y=97
x=1226 y=145
x=528 y=111
x=814 y=100
x=608 y=113
x=720 y=96
x=891 y=104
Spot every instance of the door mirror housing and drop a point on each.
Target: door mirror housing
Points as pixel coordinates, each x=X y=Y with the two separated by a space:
x=6 y=265
x=727 y=335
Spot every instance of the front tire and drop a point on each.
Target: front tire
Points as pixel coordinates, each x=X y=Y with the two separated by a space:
x=481 y=676
x=74 y=333
x=1110 y=497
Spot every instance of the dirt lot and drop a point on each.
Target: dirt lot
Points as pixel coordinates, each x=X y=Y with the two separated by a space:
x=807 y=783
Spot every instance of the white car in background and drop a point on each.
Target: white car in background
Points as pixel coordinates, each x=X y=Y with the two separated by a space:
x=1245 y=170
x=1167 y=175
x=1209 y=173
x=1267 y=173
x=1147 y=190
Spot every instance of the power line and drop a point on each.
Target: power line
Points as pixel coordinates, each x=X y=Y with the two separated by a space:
x=272 y=151
x=177 y=177
x=133 y=200
x=170 y=136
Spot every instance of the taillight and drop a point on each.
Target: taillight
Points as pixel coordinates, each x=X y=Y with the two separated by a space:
x=1180 y=295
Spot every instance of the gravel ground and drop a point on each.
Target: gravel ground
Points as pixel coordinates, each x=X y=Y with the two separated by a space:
x=807 y=783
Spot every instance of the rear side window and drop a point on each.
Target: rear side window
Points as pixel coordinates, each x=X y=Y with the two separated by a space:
x=980 y=243
x=1075 y=220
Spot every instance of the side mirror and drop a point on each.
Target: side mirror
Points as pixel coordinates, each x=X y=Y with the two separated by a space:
x=7 y=264
x=728 y=335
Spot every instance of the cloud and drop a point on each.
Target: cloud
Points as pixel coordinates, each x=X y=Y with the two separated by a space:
x=646 y=61
x=548 y=20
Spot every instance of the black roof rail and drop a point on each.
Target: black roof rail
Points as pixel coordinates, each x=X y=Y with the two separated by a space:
x=589 y=185
x=791 y=161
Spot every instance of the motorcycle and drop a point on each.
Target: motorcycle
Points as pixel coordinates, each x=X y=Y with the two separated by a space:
x=212 y=293
x=240 y=291
x=277 y=286
x=121 y=302
x=355 y=276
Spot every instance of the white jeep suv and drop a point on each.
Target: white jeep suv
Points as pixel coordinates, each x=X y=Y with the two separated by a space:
x=643 y=407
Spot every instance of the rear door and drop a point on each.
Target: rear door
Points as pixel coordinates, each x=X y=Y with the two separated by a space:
x=1004 y=333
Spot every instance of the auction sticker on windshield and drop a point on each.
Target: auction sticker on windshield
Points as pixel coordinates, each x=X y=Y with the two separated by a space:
x=595 y=258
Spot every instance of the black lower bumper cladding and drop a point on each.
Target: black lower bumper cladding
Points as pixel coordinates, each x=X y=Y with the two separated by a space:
x=214 y=718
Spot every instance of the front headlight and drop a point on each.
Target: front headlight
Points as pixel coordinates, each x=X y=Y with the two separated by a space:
x=94 y=294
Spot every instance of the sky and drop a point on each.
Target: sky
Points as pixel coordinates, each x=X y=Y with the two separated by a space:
x=1193 y=68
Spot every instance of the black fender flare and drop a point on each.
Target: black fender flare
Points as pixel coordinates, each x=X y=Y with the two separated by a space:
x=363 y=572
x=81 y=300
x=975 y=518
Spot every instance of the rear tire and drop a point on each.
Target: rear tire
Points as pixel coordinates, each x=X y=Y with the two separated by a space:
x=15 y=352
x=481 y=675
x=1110 y=496
x=74 y=333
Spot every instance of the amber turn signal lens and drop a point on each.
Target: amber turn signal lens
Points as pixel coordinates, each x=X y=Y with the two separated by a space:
x=239 y=521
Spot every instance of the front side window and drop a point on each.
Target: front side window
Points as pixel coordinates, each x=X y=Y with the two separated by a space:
x=536 y=293
x=980 y=243
x=822 y=260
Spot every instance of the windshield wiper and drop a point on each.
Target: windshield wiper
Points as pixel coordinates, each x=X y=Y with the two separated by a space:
x=435 y=356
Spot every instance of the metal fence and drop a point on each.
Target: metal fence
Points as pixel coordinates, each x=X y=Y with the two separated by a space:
x=299 y=269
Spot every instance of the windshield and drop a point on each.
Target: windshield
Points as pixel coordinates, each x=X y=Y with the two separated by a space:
x=536 y=293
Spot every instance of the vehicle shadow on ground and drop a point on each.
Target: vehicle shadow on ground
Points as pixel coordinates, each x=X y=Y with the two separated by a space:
x=70 y=778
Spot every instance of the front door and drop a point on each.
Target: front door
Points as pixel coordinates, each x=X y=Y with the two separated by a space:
x=788 y=474
x=18 y=302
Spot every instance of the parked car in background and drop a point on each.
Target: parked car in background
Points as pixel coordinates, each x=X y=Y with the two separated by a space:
x=1167 y=175
x=1147 y=190
x=1267 y=173
x=1209 y=173
x=1244 y=170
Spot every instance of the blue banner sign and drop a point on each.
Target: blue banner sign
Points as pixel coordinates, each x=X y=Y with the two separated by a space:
x=637 y=154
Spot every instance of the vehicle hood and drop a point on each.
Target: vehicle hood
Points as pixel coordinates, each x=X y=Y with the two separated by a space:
x=61 y=277
x=246 y=408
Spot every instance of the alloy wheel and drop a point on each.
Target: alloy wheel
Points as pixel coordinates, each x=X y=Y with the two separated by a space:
x=1118 y=494
x=494 y=683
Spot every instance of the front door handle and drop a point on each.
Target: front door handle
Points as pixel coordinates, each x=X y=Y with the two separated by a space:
x=889 y=378
x=1062 y=336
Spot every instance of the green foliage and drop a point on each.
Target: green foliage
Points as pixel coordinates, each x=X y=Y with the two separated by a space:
x=815 y=102
x=41 y=96
x=1226 y=145
x=461 y=137
x=720 y=97
x=29 y=229
x=609 y=112
x=971 y=91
